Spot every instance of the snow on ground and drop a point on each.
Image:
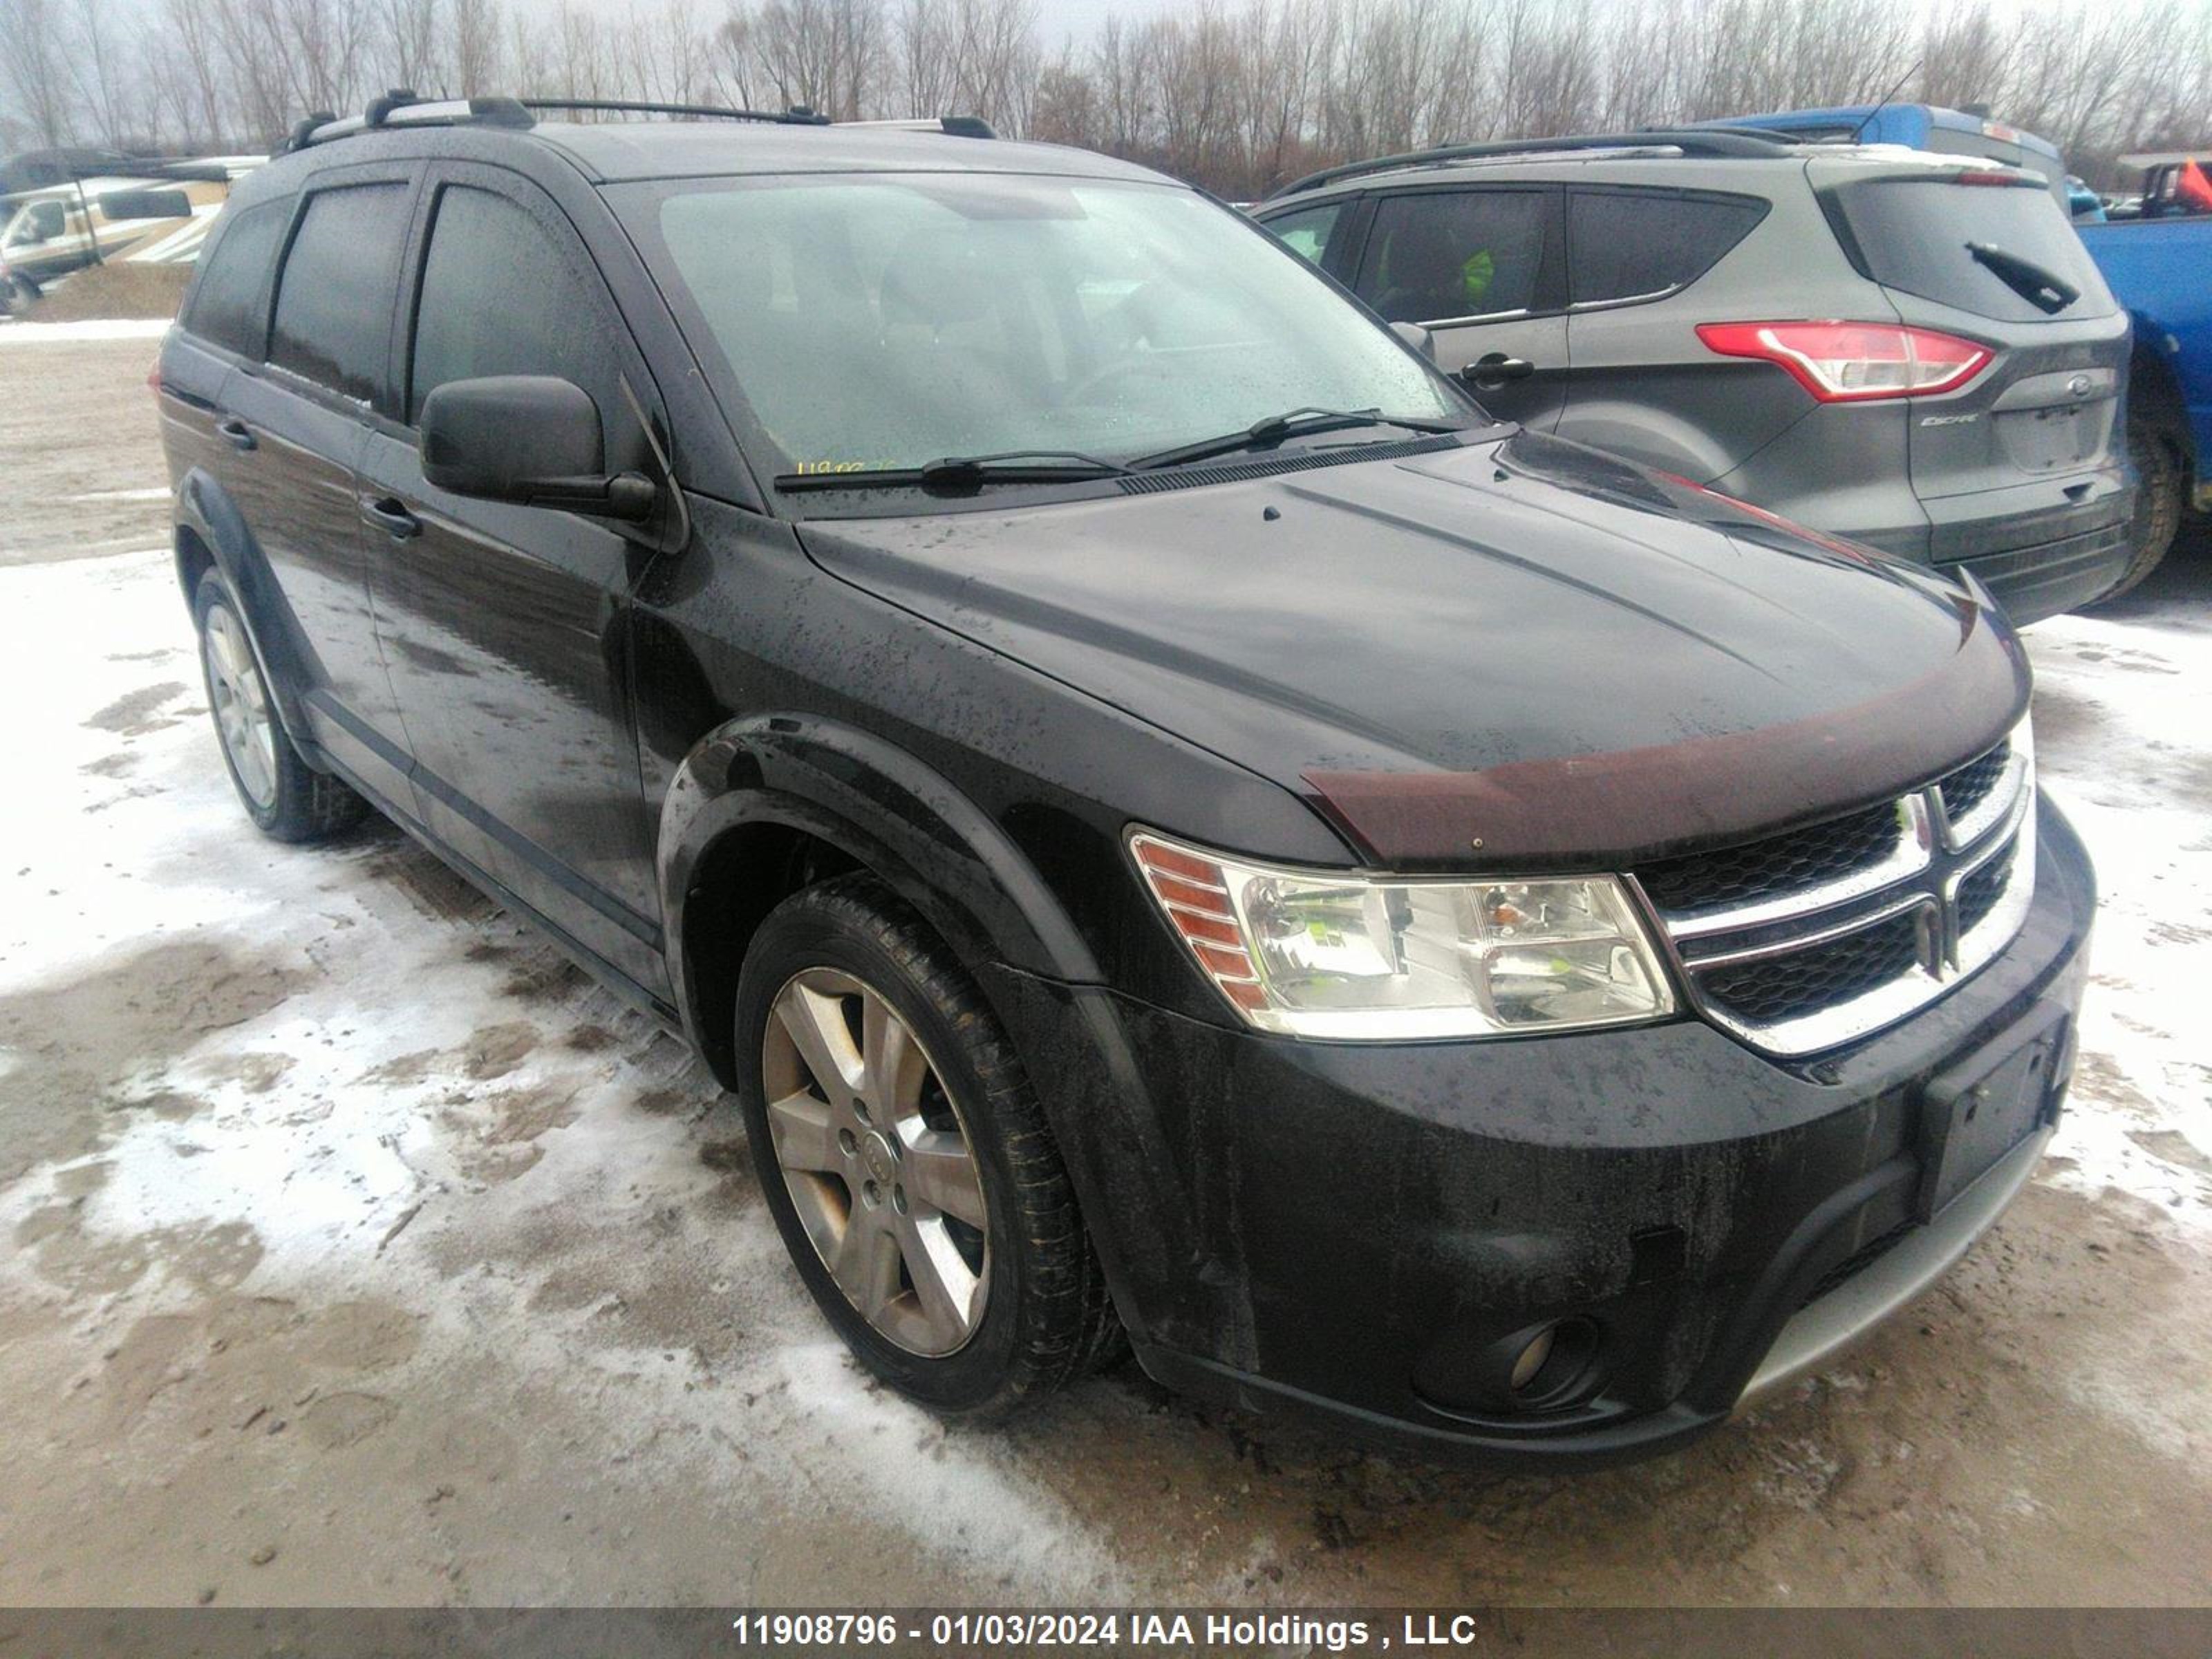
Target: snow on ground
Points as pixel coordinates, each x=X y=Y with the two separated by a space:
x=15 y=331
x=339 y=1096
x=2124 y=747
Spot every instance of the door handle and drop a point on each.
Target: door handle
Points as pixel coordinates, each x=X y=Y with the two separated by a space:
x=237 y=433
x=1495 y=369
x=393 y=518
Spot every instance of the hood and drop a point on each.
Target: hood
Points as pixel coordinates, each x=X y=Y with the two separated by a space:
x=1512 y=649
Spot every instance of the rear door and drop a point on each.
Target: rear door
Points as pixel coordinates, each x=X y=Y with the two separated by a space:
x=1987 y=256
x=1478 y=267
x=296 y=425
x=1645 y=384
x=507 y=627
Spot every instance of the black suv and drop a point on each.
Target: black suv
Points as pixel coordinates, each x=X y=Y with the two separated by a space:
x=1912 y=350
x=1169 y=818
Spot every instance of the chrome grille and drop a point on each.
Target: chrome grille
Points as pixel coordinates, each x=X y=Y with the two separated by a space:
x=1815 y=938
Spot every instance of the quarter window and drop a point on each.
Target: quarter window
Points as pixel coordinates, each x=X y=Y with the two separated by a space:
x=227 y=307
x=1459 y=253
x=1637 y=245
x=1307 y=232
x=334 y=296
x=500 y=297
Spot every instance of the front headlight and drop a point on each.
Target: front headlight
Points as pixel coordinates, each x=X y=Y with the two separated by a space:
x=1320 y=953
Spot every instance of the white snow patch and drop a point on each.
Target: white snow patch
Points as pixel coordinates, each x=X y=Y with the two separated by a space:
x=103 y=328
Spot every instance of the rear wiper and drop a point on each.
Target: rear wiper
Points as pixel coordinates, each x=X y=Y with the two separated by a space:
x=1276 y=427
x=2047 y=290
x=1014 y=466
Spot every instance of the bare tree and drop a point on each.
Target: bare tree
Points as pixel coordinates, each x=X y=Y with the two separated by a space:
x=32 y=65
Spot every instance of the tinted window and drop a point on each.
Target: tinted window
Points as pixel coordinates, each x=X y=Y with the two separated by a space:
x=334 y=296
x=1975 y=247
x=121 y=204
x=226 y=305
x=500 y=297
x=1460 y=253
x=1308 y=231
x=1625 y=244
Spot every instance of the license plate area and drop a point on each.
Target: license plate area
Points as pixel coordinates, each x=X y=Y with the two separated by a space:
x=1973 y=1114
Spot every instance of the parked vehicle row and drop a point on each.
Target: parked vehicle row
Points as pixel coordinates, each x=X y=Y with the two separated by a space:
x=1178 y=825
x=106 y=209
x=1912 y=352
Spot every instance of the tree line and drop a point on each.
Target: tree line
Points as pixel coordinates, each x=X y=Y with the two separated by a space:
x=1237 y=95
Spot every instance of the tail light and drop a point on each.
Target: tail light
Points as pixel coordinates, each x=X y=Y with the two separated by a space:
x=1852 y=362
x=154 y=378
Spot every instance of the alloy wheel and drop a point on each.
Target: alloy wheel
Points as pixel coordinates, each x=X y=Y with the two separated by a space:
x=242 y=715
x=877 y=1161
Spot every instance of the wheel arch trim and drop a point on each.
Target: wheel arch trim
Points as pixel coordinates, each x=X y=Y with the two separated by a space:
x=879 y=806
x=206 y=515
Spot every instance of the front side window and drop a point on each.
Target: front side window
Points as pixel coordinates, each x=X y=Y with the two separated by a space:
x=1639 y=244
x=334 y=295
x=41 y=222
x=499 y=297
x=884 y=322
x=226 y=305
x=1433 y=256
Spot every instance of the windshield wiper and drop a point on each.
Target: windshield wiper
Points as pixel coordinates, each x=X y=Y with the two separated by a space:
x=1291 y=423
x=1033 y=467
x=2047 y=290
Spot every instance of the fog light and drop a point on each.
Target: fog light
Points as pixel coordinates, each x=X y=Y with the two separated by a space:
x=1530 y=1362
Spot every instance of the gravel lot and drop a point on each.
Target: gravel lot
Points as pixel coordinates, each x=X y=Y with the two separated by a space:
x=365 y=1253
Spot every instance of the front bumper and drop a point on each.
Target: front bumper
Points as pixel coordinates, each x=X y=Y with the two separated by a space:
x=1356 y=1233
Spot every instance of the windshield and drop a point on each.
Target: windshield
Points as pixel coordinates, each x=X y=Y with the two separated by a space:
x=884 y=322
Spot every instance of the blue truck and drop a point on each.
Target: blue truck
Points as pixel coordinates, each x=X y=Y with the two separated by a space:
x=2157 y=260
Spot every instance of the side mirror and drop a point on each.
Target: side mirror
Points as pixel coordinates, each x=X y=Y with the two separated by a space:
x=530 y=439
x=1418 y=338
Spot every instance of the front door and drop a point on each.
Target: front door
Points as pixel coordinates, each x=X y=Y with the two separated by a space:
x=505 y=628
x=1480 y=270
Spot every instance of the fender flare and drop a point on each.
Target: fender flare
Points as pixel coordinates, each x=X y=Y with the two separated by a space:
x=883 y=806
x=205 y=510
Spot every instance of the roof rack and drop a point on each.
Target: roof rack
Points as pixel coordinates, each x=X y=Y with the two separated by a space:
x=402 y=107
x=1735 y=143
x=953 y=126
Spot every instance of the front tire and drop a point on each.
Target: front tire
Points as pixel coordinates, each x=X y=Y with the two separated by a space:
x=907 y=1161
x=288 y=799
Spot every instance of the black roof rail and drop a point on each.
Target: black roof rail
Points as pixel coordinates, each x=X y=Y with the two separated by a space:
x=401 y=107
x=797 y=116
x=955 y=126
x=1732 y=142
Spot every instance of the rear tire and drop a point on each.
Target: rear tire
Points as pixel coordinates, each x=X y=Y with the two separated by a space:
x=288 y=799
x=2159 y=476
x=925 y=1127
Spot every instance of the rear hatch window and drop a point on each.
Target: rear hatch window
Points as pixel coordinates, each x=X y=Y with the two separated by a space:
x=1990 y=244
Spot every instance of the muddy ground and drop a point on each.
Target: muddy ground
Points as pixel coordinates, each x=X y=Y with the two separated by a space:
x=359 y=1251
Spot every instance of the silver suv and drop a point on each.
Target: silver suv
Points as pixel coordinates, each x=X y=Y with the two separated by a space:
x=1910 y=351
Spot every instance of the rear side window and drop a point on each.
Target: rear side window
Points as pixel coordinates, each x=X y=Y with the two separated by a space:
x=1434 y=256
x=500 y=297
x=1639 y=245
x=226 y=305
x=1981 y=248
x=1307 y=232
x=334 y=295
